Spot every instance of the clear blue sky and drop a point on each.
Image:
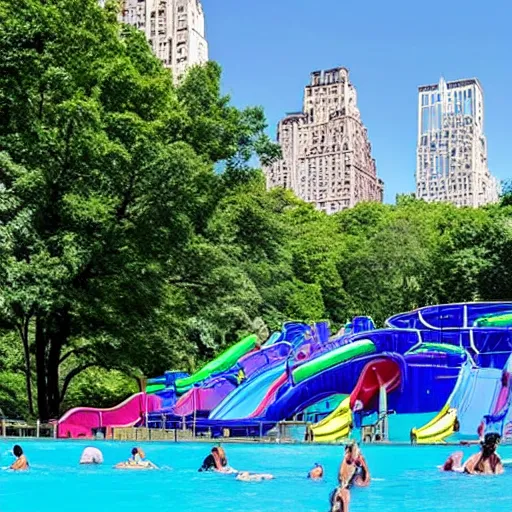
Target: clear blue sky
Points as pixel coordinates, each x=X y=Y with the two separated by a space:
x=267 y=49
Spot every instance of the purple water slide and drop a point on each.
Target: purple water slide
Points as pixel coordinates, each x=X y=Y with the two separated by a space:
x=501 y=407
x=215 y=389
x=81 y=421
x=204 y=398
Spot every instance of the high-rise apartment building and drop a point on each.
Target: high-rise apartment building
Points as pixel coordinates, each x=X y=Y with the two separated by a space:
x=452 y=150
x=174 y=29
x=326 y=155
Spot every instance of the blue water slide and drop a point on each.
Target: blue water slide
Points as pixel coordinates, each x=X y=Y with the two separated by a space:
x=340 y=379
x=447 y=316
x=480 y=392
x=500 y=417
x=245 y=399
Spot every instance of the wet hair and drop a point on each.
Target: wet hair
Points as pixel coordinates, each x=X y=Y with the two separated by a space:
x=135 y=451
x=491 y=439
x=489 y=445
x=17 y=450
x=222 y=455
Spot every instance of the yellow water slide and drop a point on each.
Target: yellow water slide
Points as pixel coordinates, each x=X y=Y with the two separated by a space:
x=438 y=428
x=336 y=426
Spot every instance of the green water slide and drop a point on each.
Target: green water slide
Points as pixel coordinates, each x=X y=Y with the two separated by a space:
x=437 y=347
x=495 y=320
x=153 y=388
x=222 y=363
x=333 y=358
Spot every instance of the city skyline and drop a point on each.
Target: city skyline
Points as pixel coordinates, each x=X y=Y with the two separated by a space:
x=179 y=26
x=388 y=58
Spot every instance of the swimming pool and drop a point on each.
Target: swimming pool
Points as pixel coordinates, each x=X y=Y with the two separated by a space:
x=405 y=479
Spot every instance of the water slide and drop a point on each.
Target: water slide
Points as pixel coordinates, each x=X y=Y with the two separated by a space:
x=381 y=372
x=80 y=421
x=284 y=393
x=499 y=419
x=214 y=390
x=245 y=399
x=222 y=363
x=495 y=320
x=471 y=399
x=205 y=397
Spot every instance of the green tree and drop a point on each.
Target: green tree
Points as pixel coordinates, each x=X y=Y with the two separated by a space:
x=107 y=176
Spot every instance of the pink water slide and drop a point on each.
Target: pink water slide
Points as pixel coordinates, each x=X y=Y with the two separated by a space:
x=81 y=421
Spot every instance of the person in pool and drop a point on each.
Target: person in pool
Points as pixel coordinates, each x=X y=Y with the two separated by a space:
x=216 y=461
x=339 y=500
x=21 y=462
x=91 y=455
x=317 y=472
x=487 y=462
x=245 y=476
x=353 y=469
x=138 y=458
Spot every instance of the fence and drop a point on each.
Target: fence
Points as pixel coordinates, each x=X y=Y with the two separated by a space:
x=283 y=432
x=19 y=428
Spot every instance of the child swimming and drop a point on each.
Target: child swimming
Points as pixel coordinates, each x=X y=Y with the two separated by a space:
x=21 y=462
x=136 y=461
x=317 y=472
x=217 y=461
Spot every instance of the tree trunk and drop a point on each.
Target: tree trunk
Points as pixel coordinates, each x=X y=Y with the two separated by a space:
x=23 y=330
x=59 y=336
x=42 y=391
x=52 y=334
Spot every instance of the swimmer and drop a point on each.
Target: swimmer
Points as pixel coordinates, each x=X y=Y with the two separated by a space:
x=136 y=461
x=91 y=455
x=245 y=476
x=353 y=469
x=317 y=472
x=216 y=461
x=487 y=462
x=21 y=462
x=339 y=500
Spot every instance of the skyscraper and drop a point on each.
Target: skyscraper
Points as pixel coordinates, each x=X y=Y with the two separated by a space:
x=451 y=160
x=326 y=153
x=174 y=29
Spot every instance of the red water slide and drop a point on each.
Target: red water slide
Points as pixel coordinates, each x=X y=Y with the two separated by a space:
x=377 y=373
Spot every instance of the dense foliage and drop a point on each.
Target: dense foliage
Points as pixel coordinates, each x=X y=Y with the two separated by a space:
x=135 y=237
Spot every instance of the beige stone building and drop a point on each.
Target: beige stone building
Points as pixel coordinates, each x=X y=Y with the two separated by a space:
x=174 y=28
x=327 y=157
x=451 y=157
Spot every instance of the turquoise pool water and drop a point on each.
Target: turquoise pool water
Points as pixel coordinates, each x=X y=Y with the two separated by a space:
x=405 y=479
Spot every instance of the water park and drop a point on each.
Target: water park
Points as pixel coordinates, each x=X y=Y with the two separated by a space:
x=434 y=377
x=436 y=374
